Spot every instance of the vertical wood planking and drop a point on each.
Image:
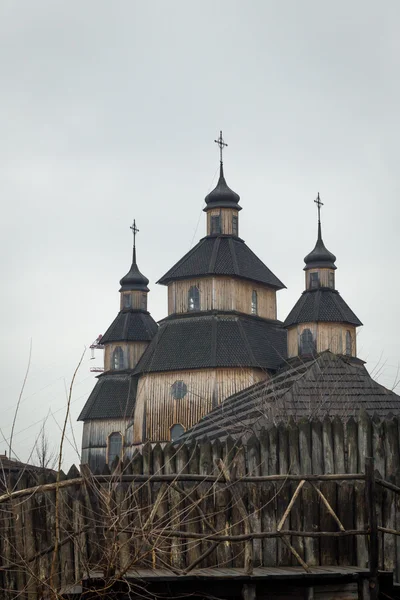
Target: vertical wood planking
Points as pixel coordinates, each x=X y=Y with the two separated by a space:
x=378 y=453
x=283 y=499
x=254 y=495
x=345 y=495
x=310 y=502
x=391 y=442
x=328 y=488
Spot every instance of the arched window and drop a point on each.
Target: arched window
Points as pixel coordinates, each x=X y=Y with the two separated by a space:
x=215 y=224
x=114 y=446
x=254 y=303
x=194 y=298
x=348 y=343
x=118 y=358
x=307 y=344
x=176 y=431
x=331 y=279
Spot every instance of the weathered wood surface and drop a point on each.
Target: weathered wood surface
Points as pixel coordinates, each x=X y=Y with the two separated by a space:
x=211 y=505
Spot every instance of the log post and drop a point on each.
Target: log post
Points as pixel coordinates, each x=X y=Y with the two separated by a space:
x=373 y=551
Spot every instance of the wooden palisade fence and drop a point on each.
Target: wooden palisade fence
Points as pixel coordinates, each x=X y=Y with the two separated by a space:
x=304 y=494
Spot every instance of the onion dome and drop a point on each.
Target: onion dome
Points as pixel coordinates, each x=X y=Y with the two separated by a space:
x=320 y=256
x=222 y=196
x=134 y=279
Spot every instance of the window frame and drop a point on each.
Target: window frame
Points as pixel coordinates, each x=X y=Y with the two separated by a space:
x=178 y=389
x=254 y=302
x=314 y=280
x=194 y=298
x=215 y=224
x=143 y=301
x=121 y=447
x=127 y=300
x=307 y=344
x=172 y=439
x=118 y=358
x=331 y=280
x=235 y=225
x=349 y=343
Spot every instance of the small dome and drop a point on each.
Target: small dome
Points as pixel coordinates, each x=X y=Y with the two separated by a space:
x=320 y=256
x=222 y=196
x=134 y=279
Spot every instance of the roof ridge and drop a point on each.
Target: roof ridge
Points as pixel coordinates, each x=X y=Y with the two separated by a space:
x=234 y=257
x=183 y=259
x=214 y=254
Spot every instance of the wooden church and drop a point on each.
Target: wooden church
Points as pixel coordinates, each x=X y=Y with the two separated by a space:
x=221 y=359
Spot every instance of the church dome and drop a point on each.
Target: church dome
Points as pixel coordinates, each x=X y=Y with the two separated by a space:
x=134 y=279
x=222 y=196
x=320 y=256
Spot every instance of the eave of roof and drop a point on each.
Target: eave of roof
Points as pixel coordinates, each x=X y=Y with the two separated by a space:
x=222 y=255
x=321 y=305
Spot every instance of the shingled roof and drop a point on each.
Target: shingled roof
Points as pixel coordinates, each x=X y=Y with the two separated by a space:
x=215 y=340
x=328 y=385
x=131 y=326
x=322 y=304
x=222 y=255
x=113 y=397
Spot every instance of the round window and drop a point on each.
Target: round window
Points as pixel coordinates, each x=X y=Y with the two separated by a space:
x=178 y=390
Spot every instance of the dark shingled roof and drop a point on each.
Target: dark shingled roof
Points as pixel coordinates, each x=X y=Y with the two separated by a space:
x=215 y=340
x=131 y=326
x=222 y=196
x=323 y=304
x=134 y=279
x=222 y=255
x=320 y=256
x=328 y=385
x=113 y=397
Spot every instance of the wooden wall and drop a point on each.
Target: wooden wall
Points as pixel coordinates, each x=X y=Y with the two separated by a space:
x=50 y=540
x=226 y=219
x=222 y=293
x=156 y=410
x=132 y=353
x=323 y=277
x=95 y=439
x=328 y=336
x=138 y=299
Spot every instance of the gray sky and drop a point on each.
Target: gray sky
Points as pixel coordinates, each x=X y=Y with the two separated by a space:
x=109 y=111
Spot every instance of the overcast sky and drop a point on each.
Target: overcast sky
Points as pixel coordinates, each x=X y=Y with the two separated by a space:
x=109 y=110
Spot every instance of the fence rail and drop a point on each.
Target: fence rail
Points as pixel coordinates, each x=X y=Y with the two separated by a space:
x=301 y=495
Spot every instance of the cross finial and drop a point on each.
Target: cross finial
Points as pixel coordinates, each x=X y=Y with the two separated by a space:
x=319 y=204
x=135 y=230
x=221 y=144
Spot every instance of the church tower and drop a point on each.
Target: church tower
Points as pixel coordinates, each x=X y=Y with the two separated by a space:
x=321 y=319
x=108 y=412
x=221 y=334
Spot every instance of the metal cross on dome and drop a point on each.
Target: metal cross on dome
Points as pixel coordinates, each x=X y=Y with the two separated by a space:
x=221 y=143
x=135 y=230
x=319 y=204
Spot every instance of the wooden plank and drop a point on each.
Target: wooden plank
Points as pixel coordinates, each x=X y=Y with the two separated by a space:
x=391 y=441
x=345 y=494
x=309 y=500
x=283 y=497
x=268 y=441
x=253 y=455
x=328 y=489
x=296 y=512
